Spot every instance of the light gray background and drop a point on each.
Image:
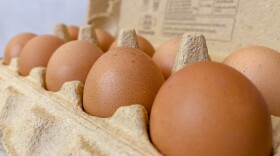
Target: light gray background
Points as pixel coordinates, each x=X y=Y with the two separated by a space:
x=38 y=16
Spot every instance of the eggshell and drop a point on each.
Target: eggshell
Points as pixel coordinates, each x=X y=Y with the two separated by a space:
x=210 y=109
x=165 y=55
x=261 y=65
x=104 y=39
x=37 y=52
x=144 y=45
x=121 y=77
x=73 y=31
x=15 y=46
x=71 y=61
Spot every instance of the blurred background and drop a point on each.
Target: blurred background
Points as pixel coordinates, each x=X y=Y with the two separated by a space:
x=38 y=16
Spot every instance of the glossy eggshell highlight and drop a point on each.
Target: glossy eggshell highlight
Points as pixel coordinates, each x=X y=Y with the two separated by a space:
x=15 y=46
x=261 y=65
x=121 y=77
x=104 y=38
x=165 y=55
x=72 y=61
x=37 y=52
x=210 y=109
x=144 y=45
x=73 y=31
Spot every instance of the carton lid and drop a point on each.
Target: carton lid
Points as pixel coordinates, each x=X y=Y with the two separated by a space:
x=226 y=24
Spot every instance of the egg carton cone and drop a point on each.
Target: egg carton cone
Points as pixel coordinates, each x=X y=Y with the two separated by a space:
x=35 y=121
x=276 y=135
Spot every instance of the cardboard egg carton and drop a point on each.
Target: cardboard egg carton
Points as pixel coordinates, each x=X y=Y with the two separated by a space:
x=35 y=121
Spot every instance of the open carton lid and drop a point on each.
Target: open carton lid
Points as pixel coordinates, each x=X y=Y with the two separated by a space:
x=227 y=24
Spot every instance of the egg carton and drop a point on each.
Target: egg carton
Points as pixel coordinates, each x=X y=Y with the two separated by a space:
x=35 y=121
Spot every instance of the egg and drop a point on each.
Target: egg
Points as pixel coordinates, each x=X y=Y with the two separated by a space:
x=37 y=52
x=165 y=55
x=73 y=31
x=121 y=77
x=144 y=45
x=210 y=109
x=71 y=61
x=104 y=39
x=15 y=45
x=261 y=65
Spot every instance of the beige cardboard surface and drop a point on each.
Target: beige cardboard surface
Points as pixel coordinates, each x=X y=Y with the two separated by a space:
x=226 y=24
x=104 y=14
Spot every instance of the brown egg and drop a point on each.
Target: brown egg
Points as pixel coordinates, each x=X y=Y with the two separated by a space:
x=261 y=65
x=73 y=31
x=104 y=39
x=144 y=45
x=121 y=77
x=165 y=55
x=37 y=52
x=15 y=46
x=210 y=109
x=71 y=61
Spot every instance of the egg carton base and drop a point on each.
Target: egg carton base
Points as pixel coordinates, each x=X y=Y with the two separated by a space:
x=35 y=121
x=38 y=122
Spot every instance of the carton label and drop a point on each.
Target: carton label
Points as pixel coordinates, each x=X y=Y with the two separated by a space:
x=214 y=18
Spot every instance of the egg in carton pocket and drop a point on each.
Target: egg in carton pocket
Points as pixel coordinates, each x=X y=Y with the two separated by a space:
x=38 y=122
x=35 y=121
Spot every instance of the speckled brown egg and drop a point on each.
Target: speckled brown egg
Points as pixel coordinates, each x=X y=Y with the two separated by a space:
x=144 y=45
x=15 y=46
x=261 y=65
x=104 y=38
x=73 y=31
x=37 y=52
x=165 y=55
x=122 y=76
x=210 y=109
x=71 y=61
